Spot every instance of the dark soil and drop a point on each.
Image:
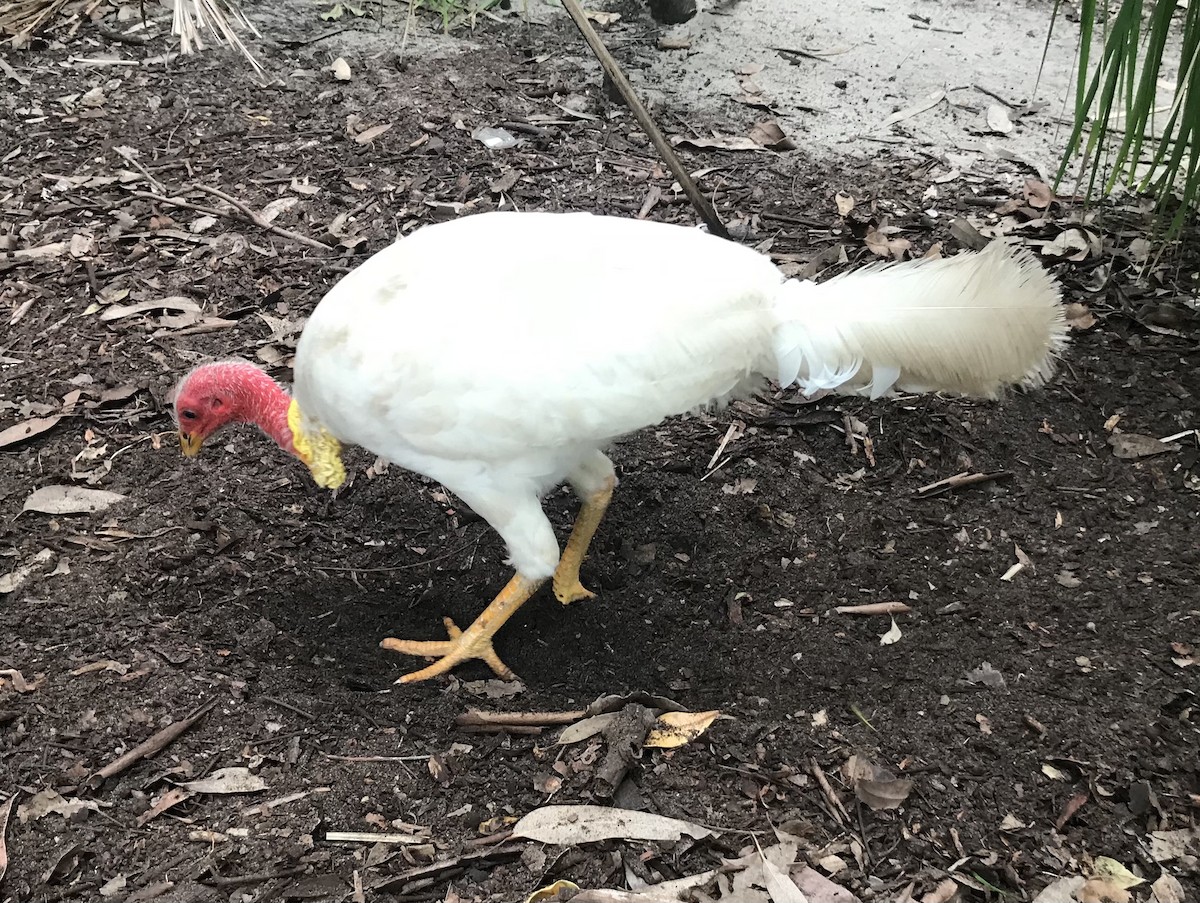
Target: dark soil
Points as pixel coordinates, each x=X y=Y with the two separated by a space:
x=233 y=580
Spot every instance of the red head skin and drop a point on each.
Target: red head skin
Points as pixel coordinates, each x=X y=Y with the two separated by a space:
x=213 y=395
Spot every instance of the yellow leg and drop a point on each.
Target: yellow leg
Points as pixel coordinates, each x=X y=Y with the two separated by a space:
x=474 y=642
x=567 y=587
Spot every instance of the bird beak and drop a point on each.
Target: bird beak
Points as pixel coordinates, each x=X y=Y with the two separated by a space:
x=190 y=443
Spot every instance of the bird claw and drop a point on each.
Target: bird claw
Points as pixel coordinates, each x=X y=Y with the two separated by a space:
x=461 y=647
x=568 y=591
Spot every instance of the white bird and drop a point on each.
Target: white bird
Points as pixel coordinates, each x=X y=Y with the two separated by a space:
x=500 y=353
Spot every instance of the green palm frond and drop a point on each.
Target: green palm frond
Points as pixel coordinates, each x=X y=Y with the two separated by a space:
x=1121 y=135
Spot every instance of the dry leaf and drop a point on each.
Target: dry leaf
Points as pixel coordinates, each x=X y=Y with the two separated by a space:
x=556 y=891
x=11 y=582
x=5 y=812
x=1166 y=889
x=1078 y=316
x=1071 y=244
x=1038 y=194
x=227 y=780
x=986 y=675
x=1131 y=446
x=927 y=103
x=566 y=825
x=997 y=119
x=49 y=802
x=368 y=135
x=876 y=786
x=340 y=69
x=819 y=889
x=770 y=135
x=70 y=500
x=1115 y=873
x=588 y=727
x=672 y=729
x=845 y=203
x=1098 y=890
x=892 y=636
x=120 y=311
x=892 y=248
x=27 y=429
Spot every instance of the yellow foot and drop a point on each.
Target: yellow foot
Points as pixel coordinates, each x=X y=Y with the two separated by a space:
x=568 y=589
x=462 y=646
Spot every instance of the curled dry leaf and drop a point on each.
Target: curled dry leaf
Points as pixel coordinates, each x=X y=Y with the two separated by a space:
x=874 y=785
x=566 y=825
x=227 y=780
x=70 y=500
x=559 y=890
x=1079 y=318
x=1038 y=194
x=892 y=248
x=892 y=636
x=673 y=729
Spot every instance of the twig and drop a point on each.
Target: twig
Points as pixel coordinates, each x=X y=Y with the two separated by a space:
x=807 y=54
x=259 y=221
x=839 y=811
x=476 y=718
x=150 y=747
x=291 y=708
x=372 y=837
x=874 y=608
x=935 y=28
x=376 y=758
x=127 y=155
x=699 y=201
x=958 y=481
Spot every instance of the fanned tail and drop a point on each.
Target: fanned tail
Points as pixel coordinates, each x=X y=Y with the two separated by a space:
x=971 y=324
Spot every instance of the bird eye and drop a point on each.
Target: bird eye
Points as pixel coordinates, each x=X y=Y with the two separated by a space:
x=188 y=415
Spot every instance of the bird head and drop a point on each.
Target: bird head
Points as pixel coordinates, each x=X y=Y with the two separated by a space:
x=214 y=395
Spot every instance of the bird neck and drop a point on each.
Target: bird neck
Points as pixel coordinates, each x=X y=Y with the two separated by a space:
x=264 y=402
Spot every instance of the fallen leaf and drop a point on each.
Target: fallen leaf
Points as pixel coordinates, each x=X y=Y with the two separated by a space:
x=1070 y=244
x=1098 y=890
x=340 y=69
x=18 y=681
x=49 y=802
x=27 y=429
x=927 y=103
x=769 y=134
x=997 y=119
x=559 y=890
x=892 y=636
x=1115 y=873
x=1074 y=804
x=819 y=889
x=588 y=727
x=120 y=311
x=16 y=578
x=1166 y=889
x=1131 y=446
x=113 y=886
x=5 y=812
x=368 y=135
x=672 y=729
x=845 y=203
x=70 y=500
x=1168 y=845
x=876 y=786
x=892 y=248
x=566 y=825
x=781 y=888
x=1078 y=317
x=227 y=780
x=986 y=675
x=1038 y=194
x=1061 y=891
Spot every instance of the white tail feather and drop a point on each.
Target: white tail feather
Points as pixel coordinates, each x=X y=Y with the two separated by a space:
x=971 y=324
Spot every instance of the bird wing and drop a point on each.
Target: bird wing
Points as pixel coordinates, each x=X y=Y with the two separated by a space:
x=492 y=336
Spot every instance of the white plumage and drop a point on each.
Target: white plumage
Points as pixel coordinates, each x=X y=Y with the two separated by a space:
x=499 y=353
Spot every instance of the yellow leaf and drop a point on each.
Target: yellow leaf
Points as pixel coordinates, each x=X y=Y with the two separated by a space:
x=672 y=729
x=551 y=892
x=1115 y=873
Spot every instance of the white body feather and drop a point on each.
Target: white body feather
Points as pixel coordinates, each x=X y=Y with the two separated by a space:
x=499 y=353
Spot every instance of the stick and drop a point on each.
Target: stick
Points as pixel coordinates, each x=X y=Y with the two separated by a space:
x=839 y=811
x=259 y=221
x=958 y=481
x=699 y=201
x=476 y=718
x=874 y=608
x=150 y=747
